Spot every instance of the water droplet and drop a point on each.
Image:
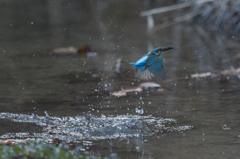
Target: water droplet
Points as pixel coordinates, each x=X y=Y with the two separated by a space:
x=46 y=113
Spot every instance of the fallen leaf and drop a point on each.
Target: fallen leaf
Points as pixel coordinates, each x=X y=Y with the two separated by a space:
x=137 y=89
x=225 y=127
x=149 y=85
x=68 y=50
x=84 y=49
x=15 y=141
x=119 y=93
x=198 y=75
x=7 y=142
x=140 y=88
x=160 y=89
x=231 y=71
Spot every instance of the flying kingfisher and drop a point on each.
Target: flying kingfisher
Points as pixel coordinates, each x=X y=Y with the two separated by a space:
x=151 y=64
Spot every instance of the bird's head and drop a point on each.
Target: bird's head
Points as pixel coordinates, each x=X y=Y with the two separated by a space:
x=158 y=51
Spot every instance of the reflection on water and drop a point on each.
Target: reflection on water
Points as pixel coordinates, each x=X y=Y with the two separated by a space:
x=33 y=81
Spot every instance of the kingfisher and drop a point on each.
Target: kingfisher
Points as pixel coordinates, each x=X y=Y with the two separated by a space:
x=151 y=64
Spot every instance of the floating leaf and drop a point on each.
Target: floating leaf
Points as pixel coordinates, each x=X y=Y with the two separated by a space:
x=68 y=50
x=140 y=88
x=119 y=93
x=84 y=49
x=149 y=85
x=231 y=71
x=6 y=142
x=198 y=75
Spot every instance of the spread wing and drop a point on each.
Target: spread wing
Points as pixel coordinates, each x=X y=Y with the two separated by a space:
x=144 y=75
x=157 y=68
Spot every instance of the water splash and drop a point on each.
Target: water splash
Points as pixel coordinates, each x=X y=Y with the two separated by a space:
x=88 y=127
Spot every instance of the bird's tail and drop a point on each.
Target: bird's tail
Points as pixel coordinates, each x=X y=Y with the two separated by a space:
x=140 y=67
x=132 y=63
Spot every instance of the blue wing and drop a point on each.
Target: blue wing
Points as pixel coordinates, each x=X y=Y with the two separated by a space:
x=157 y=68
x=141 y=63
x=140 y=67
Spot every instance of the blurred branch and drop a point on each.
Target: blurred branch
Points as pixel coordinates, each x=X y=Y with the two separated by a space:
x=172 y=7
x=175 y=21
x=151 y=28
x=220 y=14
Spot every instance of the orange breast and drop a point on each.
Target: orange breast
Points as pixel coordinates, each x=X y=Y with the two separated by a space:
x=147 y=64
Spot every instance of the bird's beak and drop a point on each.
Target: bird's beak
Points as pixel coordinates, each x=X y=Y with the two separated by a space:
x=166 y=48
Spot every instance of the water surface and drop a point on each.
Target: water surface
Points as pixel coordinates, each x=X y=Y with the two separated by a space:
x=34 y=81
